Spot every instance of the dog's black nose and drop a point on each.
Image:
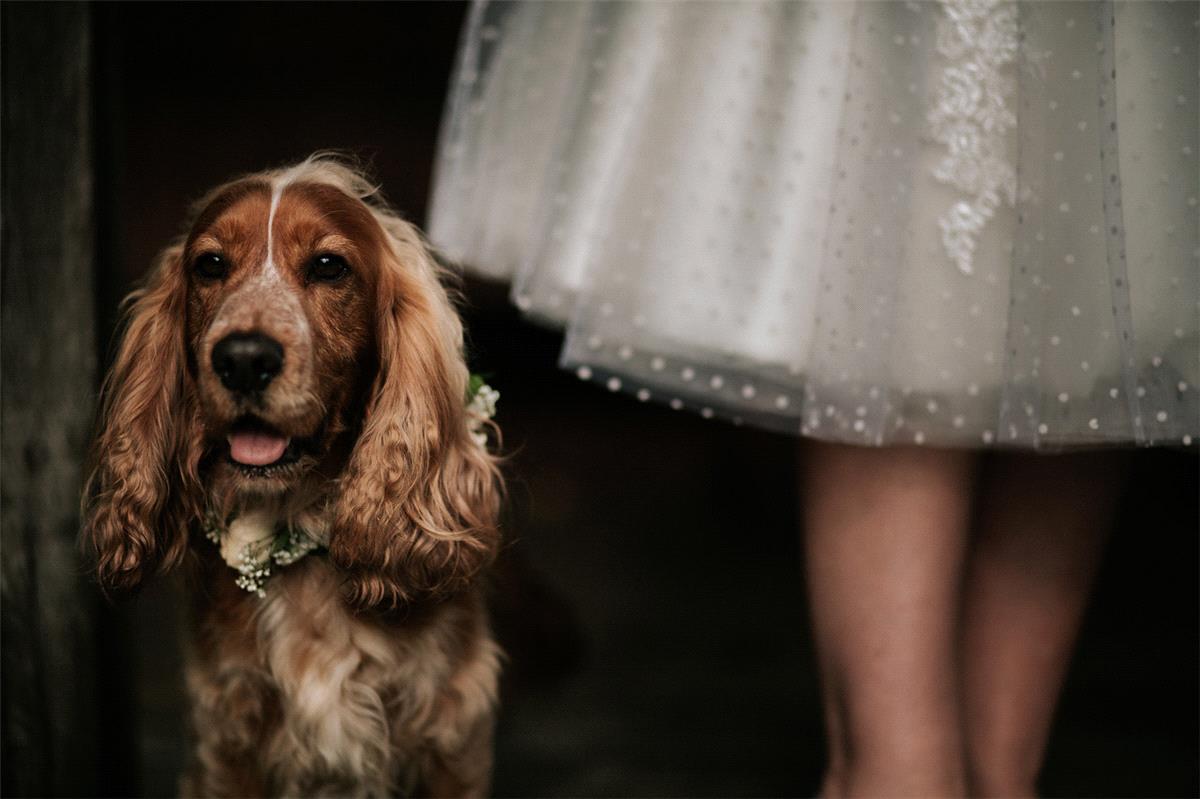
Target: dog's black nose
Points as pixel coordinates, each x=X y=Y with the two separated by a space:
x=247 y=362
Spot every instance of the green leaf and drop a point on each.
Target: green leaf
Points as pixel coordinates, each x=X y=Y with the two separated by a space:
x=473 y=385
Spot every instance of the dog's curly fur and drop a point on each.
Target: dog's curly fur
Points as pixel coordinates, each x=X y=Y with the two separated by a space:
x=368 y=669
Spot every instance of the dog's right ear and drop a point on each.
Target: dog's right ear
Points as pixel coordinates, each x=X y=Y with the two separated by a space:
x=141 y=488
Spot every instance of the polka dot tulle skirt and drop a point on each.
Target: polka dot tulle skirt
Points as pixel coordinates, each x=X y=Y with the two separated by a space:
x=967 y=223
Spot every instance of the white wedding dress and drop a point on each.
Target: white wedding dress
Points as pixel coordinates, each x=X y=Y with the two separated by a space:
x=965 y=223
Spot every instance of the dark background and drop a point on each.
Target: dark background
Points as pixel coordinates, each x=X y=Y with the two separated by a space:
x=651 y=599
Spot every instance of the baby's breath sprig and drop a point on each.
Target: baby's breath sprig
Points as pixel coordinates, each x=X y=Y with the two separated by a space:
x=481 y=408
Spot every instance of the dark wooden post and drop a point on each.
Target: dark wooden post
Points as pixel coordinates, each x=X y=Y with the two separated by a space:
x=48 y=355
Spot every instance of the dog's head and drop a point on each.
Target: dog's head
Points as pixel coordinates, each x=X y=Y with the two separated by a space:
x=297 y=347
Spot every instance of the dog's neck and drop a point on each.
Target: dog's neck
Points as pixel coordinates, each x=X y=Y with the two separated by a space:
x=260 y=538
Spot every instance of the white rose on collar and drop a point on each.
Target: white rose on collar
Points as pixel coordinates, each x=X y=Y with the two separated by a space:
x=249 y=534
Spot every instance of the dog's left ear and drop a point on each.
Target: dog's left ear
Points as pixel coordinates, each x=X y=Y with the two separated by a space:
x=416 y=513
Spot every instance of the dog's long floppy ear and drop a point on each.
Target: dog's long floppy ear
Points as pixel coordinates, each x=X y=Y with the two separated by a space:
x=416 y=514
x=142 y=481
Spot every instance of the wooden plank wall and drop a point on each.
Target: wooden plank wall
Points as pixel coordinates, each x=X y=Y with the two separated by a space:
x=48 y=352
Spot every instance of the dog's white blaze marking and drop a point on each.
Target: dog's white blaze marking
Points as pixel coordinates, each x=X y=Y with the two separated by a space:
x=269 y=267
x=266 y=302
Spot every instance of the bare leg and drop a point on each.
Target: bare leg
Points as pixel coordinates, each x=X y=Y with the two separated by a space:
x=1043 y=523
x=885 y=534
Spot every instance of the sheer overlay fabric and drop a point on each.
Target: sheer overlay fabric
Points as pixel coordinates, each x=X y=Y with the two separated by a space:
x=966 y=223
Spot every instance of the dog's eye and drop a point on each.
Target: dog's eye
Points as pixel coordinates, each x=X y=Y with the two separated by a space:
x=327 y=268
x=211 y=266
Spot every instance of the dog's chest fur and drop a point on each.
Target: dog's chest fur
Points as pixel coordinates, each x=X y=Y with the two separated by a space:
x=351 y=704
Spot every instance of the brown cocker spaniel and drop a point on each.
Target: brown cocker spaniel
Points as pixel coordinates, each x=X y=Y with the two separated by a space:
x=291 y=385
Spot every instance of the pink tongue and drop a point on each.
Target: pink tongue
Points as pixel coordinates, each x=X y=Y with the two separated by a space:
x=255 y=448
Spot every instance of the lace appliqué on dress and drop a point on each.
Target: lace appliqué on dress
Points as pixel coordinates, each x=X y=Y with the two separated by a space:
x=979 y=39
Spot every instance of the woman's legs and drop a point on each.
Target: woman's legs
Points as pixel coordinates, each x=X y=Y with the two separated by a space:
x=1043 y=522
x=885 y=540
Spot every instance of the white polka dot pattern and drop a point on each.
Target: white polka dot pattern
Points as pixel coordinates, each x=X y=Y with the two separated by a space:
x=971 y=223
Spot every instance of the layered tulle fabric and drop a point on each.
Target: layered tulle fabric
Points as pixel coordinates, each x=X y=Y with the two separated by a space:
x=966 y=223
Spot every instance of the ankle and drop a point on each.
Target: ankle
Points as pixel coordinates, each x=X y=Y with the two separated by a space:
x=1006 y=783
x=1007 y=771
x=904 y=778
x=831 y=784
